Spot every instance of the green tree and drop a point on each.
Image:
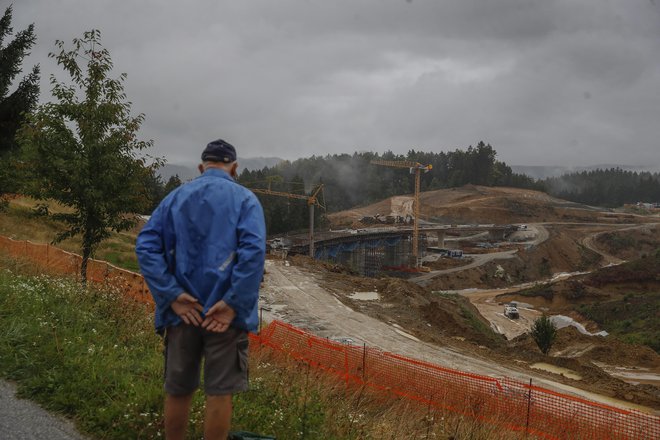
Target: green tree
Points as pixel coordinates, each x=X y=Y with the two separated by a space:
x=172 y=183
x=13 y=105
x=544 y=333
x=82 y=149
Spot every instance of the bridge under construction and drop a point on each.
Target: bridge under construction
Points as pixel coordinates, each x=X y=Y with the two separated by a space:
x=374 y=250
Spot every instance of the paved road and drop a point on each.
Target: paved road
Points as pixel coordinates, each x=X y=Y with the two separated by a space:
x=24 y=420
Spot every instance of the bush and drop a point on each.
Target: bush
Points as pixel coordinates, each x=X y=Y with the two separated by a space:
x=544 y=333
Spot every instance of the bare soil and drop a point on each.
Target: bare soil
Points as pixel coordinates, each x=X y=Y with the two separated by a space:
x=451 y=320
x=562 y=252
x=630 y=244
x=447 y=263
x=429 y=316
x=498 y=205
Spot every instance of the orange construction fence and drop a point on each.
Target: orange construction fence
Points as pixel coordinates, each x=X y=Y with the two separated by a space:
x=510 y=404
x=56 y=260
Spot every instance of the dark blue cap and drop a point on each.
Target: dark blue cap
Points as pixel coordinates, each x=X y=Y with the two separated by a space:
x=219 y=151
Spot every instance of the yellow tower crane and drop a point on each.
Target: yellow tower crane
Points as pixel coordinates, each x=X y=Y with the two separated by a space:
x=415 y=168
x=312 y=200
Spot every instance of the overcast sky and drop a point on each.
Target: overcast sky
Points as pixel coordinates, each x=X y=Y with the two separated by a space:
x=565 y=82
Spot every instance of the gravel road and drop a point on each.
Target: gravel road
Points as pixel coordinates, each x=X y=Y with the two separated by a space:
x=24 y=420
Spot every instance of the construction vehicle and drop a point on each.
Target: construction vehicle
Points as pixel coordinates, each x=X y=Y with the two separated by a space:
x=279 y=243
x=511 y=310
x=415 y=168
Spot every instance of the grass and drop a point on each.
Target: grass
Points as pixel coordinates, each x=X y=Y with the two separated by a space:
x=634 y=318
x=94 y=357
x=489 y=336
x=543 y=290
x=645 y=269
x=20 y=222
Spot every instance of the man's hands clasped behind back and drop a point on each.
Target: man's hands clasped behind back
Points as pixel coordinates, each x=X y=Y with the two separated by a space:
x=188 y=309
x=217 y=319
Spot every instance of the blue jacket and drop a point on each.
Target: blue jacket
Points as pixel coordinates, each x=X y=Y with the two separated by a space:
x=206 y=238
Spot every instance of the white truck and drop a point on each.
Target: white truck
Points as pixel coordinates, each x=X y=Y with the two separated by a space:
x=511 y=310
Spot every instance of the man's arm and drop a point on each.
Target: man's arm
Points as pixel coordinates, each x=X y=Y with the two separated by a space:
x=250 y=255
x=150 y=251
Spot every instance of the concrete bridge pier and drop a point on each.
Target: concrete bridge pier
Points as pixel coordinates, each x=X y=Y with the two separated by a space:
x=436 y=238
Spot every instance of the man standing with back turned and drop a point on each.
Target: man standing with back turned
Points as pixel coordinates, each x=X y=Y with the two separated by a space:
x=202 y=256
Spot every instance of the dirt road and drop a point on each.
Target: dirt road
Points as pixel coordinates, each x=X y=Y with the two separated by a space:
x=590 y=242
x=540 y=233
x=493 y=311
x=293 y=295
x=477 y=260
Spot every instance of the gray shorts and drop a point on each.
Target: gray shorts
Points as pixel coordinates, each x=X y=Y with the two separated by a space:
x=225 y=360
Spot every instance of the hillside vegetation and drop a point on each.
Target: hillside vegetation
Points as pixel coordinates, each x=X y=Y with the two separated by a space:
x=23 y=220
x=609 y=187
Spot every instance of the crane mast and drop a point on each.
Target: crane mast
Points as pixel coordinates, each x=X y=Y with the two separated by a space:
x=416 y=168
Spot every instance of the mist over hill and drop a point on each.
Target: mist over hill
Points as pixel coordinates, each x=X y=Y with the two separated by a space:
x=541 y=172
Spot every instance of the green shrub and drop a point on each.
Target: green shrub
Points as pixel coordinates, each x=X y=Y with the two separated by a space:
x=544 y=333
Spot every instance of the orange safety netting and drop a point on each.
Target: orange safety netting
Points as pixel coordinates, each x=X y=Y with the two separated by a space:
x=508 y=403
x=513 y=405
x=59 y=261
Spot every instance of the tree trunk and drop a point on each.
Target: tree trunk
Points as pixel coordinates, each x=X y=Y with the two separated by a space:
x=86 y=253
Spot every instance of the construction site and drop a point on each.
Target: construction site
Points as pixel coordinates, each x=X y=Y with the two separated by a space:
x=457 y=278
x=452 y=281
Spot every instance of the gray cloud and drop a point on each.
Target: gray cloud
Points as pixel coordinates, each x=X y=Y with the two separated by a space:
x=568 y=82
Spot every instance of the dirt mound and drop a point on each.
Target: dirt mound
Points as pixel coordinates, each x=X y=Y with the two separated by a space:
x=428 y=316
x=480 y=204
x=585 y=355
x=571 y=343
x=558 y=297
x=643 y=270
x=630 y=244
x=447 y=263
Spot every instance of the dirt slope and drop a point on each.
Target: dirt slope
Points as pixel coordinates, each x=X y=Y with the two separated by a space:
x=480 y=204
x=630 y=244
x=438 y=328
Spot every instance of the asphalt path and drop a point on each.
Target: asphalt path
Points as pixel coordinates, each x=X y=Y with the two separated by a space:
x=24 y=420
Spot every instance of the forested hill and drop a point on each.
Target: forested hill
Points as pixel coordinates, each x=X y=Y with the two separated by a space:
x=351 y=180
x=609 y=188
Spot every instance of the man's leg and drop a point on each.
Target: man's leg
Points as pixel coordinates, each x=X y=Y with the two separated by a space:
x=182 y=361
x=176 y=416
x=225 y=373
x=217 y=418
